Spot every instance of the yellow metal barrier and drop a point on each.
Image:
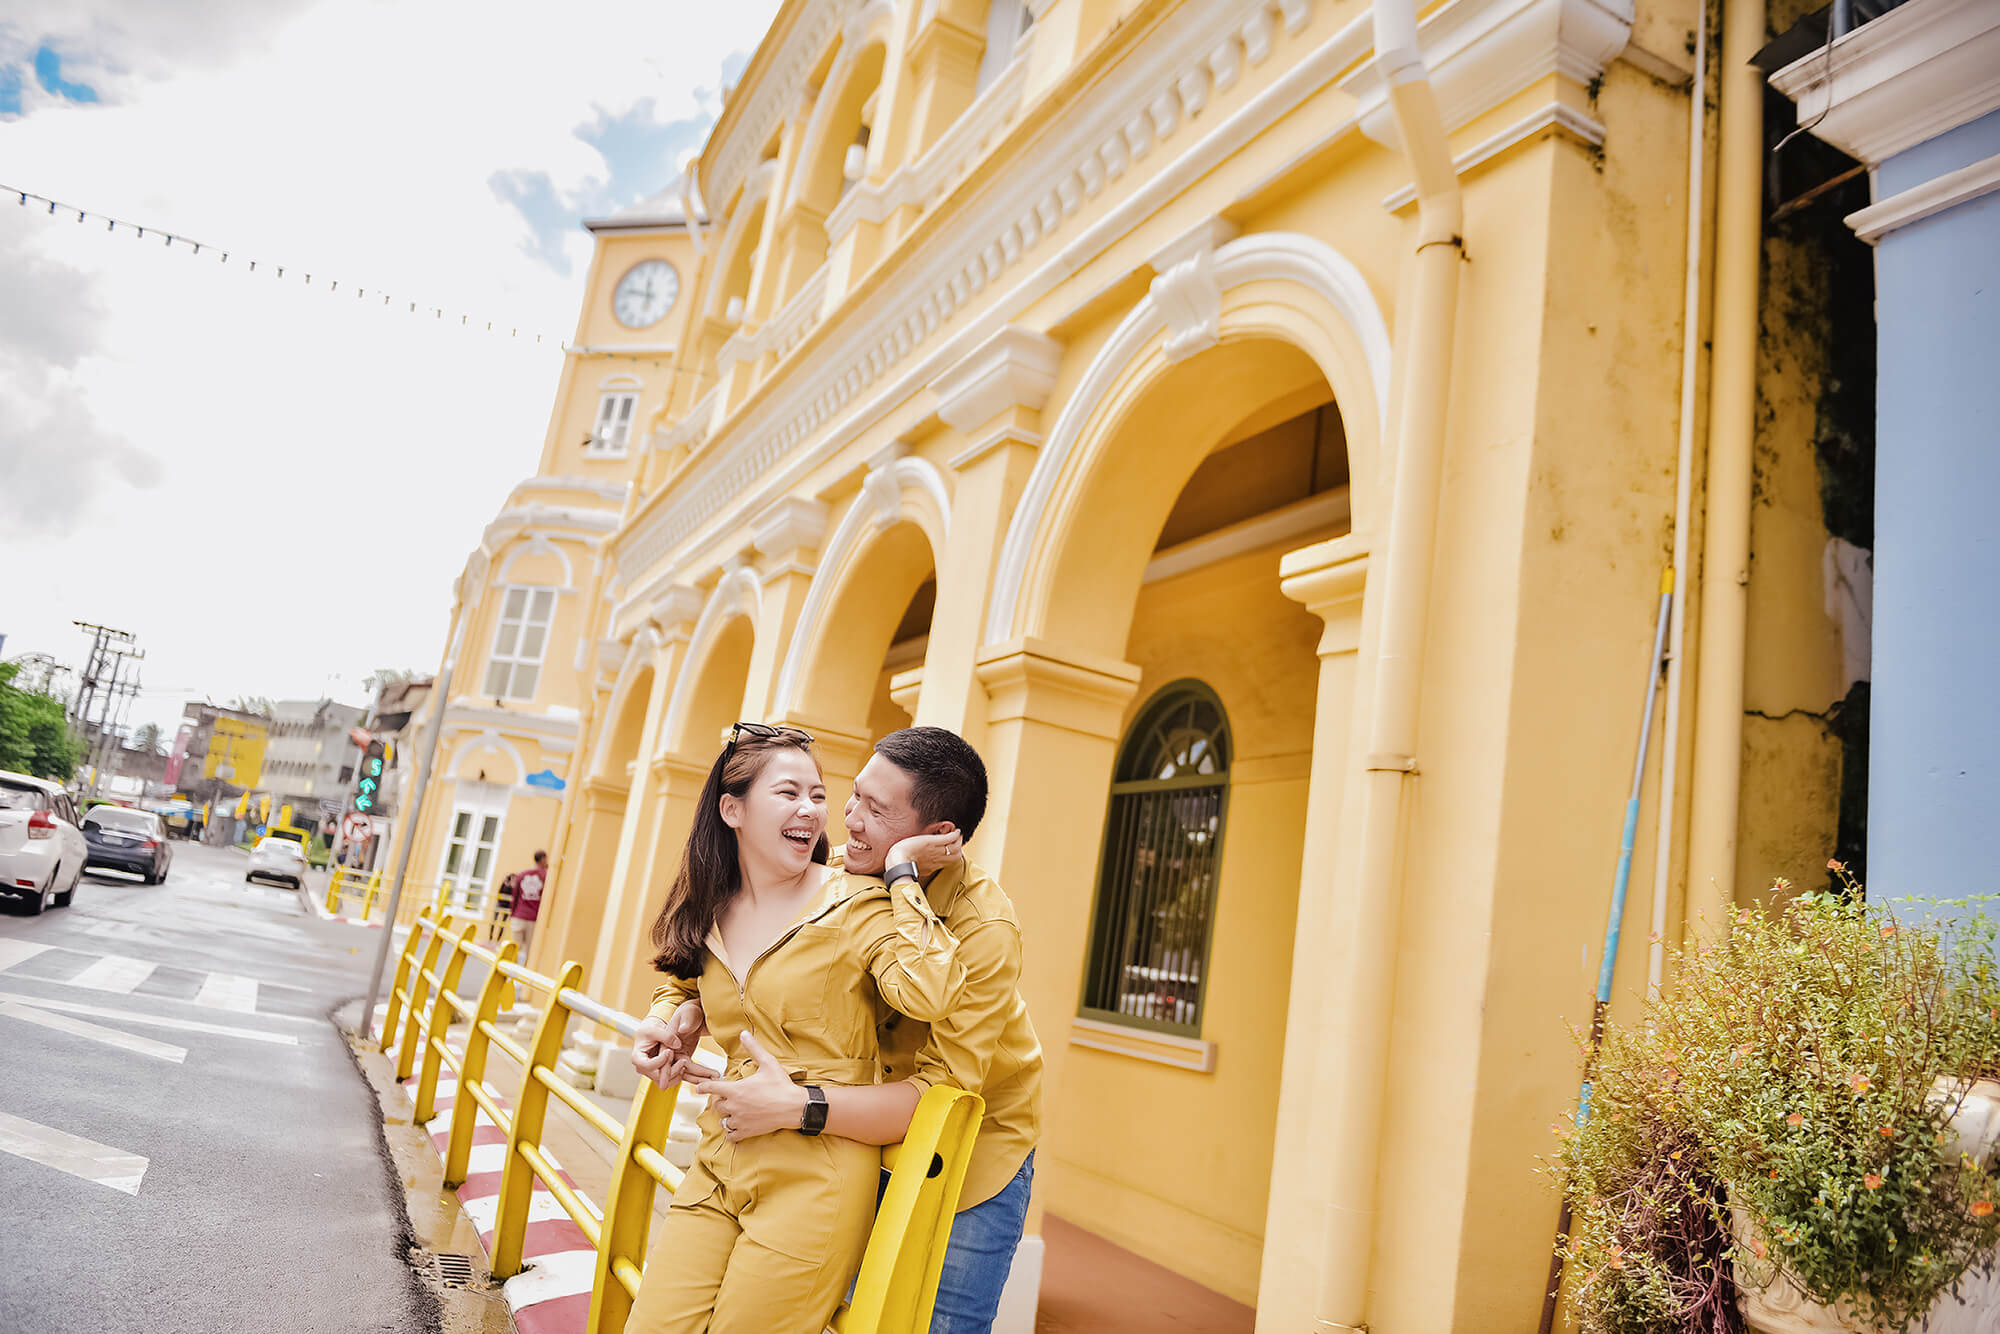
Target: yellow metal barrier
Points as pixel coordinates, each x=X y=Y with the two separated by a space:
x=897 y=1283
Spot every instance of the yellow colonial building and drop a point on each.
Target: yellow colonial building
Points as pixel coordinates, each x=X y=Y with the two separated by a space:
x=1261 y=427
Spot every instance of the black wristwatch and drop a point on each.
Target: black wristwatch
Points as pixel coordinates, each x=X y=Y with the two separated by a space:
x=814 y=1120
x=901 y=871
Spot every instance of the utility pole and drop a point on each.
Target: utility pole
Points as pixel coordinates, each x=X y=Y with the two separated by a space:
x=93 y=691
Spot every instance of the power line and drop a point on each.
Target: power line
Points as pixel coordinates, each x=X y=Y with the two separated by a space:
x=278 y=272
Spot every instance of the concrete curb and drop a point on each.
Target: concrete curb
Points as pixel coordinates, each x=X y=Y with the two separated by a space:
x=551 y=1295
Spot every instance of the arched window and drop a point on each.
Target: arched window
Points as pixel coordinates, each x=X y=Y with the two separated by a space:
x=1156 y=882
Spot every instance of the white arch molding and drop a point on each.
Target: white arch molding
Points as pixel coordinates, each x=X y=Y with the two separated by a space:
x=1262 y=256
x=642 y=652
x=487 y=741
x=756 y=189
x=909 y=488
x=867 y=27
x=536 y=545
x=739 y=593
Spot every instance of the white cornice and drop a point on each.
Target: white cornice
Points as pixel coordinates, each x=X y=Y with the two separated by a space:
x=1552 y=116
x=480 y=717
x=1480 y=54
x=587 y=486
x=1936 y=195
x=1016 y=367
x=794 y=523
x=1921 y=69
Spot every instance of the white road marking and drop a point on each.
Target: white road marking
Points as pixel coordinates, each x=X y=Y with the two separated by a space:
x=159 y=1020
x=165 y=1051
x=18 y=951
x=73 y=1154
x=226 y=991
x=114 y=972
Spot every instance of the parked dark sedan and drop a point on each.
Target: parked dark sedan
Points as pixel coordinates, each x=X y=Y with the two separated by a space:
x=122 y=839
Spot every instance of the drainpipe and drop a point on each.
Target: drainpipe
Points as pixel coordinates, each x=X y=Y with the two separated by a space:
x=1359 y=1002
x=1670 y=729
x=1732 y=427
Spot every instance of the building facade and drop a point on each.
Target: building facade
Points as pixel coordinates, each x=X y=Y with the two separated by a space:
x=527 y=606
x=1263 y=427
x=311 y=758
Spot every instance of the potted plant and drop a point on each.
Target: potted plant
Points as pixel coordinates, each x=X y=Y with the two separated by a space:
x=1798 y=1134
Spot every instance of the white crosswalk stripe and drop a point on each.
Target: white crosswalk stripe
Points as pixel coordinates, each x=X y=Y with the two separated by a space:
x=114 y=972
x=226 y=991
x=73 y=1154
x=18 y=951
x=111 y=1037
x=158 y=1020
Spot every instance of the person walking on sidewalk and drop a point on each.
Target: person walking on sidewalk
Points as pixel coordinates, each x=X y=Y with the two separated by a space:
x=525 y=907
x=782 y=958
x=930 y=781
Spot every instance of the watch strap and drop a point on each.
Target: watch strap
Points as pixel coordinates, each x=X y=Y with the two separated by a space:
x=814 y=1119
x=901 y=871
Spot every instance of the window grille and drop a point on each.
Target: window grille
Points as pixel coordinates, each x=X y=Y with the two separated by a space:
x=614 y=423
x=518 y=644
x=468 y=855
x=1156 y=888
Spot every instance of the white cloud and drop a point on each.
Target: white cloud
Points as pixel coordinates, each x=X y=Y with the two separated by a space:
x=273 y=485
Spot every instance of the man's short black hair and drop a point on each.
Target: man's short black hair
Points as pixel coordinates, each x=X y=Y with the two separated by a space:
x=947 y=777
x=541 y=856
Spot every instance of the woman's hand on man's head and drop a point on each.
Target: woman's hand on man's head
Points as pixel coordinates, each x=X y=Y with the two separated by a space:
x=931 y=852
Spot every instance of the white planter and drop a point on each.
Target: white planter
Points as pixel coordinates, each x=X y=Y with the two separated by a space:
x=1772 y=1304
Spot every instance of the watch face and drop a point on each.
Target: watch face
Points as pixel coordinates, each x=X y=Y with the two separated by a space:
x=646 y=294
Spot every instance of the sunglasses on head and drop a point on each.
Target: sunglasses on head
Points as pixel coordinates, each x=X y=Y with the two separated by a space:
x=768 y=732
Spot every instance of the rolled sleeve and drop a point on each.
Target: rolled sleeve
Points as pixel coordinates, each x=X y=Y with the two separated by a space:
x=912 y=955
x=962 y=1045
x=672 y=994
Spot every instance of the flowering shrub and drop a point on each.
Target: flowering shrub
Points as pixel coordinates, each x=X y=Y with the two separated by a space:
x=1804 y=1069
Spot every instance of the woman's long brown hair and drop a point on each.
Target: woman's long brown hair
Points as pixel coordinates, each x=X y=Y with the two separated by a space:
x=711 y=873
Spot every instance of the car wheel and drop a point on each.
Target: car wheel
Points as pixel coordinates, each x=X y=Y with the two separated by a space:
x=62 y=900
x=249 y=879
x=47 y=896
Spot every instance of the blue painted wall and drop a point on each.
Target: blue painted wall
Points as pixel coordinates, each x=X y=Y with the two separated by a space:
x=1934 y=743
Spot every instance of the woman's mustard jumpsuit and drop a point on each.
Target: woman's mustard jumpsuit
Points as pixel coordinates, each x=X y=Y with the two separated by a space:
x=764 y=1235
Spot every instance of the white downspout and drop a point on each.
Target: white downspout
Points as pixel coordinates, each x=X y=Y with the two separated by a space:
x=1663 y=838
x=1359 y=1001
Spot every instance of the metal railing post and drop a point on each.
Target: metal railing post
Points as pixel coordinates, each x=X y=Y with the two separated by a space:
x=517 y=1179
x=465 y=1110
x=420 y=992
x=440 y=1026
x=628 y=1207
x=401 y=983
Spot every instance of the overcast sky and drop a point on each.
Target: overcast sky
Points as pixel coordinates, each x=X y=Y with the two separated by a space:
x=273 y=484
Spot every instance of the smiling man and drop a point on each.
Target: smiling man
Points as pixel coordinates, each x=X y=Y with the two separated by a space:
x=928 y=781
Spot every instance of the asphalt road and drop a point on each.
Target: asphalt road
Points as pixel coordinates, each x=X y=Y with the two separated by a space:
x=222 y=1172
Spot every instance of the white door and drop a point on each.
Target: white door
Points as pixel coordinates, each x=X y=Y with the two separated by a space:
x=469 y=853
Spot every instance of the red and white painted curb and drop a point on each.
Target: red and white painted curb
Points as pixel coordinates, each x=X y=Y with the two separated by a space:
x=551 y=1295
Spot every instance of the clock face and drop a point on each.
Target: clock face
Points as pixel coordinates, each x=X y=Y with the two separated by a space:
x=646 y=294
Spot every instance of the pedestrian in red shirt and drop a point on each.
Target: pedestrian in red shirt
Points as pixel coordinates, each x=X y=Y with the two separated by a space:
x=527 y=903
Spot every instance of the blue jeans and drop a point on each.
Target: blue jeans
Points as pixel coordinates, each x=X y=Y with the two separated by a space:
x=976 y=1263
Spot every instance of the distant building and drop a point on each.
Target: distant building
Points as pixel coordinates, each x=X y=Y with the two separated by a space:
x=311 y=758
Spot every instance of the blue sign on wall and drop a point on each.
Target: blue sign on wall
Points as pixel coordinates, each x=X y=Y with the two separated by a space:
x=546 y=778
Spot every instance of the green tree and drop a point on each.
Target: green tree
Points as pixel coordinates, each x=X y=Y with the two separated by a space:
x=147 y=737
x=35 y=736
x=386 y=676
x=252 y=704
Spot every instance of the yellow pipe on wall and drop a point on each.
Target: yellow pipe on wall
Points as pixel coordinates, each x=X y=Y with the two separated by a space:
x=1732 y=428
x=1359 y=1003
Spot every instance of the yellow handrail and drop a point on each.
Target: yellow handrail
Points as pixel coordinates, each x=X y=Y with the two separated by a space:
x=897 y=1283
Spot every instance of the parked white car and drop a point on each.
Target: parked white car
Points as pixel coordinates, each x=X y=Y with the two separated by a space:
x=277 y=858
x=42 y=849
